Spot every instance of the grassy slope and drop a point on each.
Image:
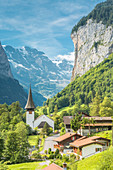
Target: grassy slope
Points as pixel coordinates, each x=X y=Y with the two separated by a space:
x=98 y=79
x=27 y=166
x=94 y=162
x=100 y=161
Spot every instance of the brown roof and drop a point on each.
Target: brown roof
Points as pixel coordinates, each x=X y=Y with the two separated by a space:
x=30 y=103
x=99 y=118
x=67 y=119
x=99 y=124
x=86 y=141
x=53 y=166
x=65 y=136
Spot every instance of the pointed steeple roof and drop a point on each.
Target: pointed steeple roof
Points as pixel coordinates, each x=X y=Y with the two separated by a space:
x=30 y=103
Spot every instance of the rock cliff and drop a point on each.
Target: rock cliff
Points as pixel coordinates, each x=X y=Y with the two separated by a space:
x=4 y=64
x=10 y=89
x=93 y=42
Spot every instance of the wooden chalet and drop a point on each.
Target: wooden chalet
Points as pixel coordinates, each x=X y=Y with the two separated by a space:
x=85 y=146
x=67 y=121
x=100 y=124
x=64 y=141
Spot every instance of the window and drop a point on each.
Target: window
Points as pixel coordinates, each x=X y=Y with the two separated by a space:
x=73 y=138
x=30 y=112
x=98 y=149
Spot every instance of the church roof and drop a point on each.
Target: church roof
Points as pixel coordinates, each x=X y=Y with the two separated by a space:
x=30 y=103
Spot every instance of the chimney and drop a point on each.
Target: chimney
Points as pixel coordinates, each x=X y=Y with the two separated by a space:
x=64 y=166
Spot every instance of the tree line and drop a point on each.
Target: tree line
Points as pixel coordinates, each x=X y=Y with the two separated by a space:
x=14 y=146
x=102 y=12
x=98 y=80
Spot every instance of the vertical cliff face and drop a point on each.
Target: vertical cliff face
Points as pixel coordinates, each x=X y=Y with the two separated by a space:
x=10 y=89
x=93 y=42
x=4 y=64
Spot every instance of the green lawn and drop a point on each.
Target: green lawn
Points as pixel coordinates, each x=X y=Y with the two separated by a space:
x=32 y=140
x=27 y=166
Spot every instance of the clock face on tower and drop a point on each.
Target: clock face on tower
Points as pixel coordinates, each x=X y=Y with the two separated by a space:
x=30 y=112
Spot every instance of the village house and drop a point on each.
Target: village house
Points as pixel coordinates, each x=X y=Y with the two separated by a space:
x=67 y=121
x=54 y=166
x=39 y=121
x=64 y=141
x=86 y=147
x=100 y=124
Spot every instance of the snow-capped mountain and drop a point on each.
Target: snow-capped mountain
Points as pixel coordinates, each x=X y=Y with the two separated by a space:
x=29 y=65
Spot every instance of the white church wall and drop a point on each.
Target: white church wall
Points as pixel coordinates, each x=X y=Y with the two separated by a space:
x=30 y=118
x=44 y=118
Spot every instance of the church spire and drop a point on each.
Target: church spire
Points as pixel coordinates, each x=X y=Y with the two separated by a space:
x=30 y=104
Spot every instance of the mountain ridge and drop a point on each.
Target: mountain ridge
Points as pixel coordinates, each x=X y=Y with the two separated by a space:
x=83 y=89
x=30 y=65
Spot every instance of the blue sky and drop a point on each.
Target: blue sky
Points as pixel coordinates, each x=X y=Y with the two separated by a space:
x=42 y=24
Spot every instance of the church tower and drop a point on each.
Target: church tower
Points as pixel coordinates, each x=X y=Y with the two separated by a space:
x=30 y=110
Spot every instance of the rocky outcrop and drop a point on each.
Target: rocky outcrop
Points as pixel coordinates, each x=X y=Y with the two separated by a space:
x=4 y=64
x=10 y=89
x=93 y=42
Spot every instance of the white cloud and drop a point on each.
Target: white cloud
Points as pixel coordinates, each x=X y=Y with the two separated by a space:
x=68 y=57
x=44 y=25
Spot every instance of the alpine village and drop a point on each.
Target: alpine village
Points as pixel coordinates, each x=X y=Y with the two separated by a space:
x=46 y=125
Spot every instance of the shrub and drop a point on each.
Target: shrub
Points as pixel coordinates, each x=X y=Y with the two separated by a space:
x=45 y=151
x=49 y=150
x=65 y=158
x=59 y=156
x=51 y=156
x=36 y=156
x=56 y=152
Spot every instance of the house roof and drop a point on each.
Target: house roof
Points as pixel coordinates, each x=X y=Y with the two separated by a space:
x=86 y=141
x=99 y=124
x=30 y=103
x=99 y=118
x=53 y=166
x=67 y=119
x=65 y=136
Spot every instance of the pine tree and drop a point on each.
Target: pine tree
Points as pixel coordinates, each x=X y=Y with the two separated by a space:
x=1 y=147
x=106 y=107
x=95 y=106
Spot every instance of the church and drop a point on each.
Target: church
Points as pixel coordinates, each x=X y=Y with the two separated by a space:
x=39 y=121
